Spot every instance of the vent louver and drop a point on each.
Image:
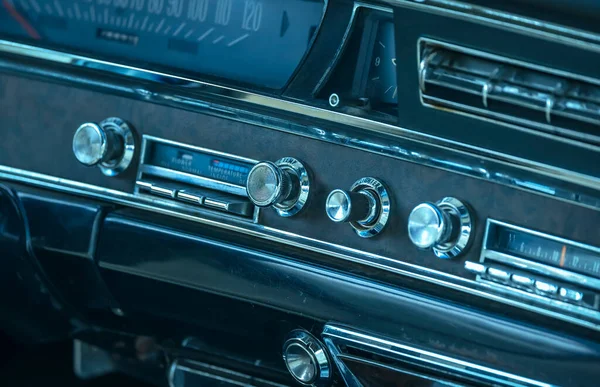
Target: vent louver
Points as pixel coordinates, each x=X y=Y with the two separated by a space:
x=519 y=93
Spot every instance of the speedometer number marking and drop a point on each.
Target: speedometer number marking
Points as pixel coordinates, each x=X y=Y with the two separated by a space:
x=174 y=8
x=223 y=12
x=252 y=15
x=198 y=10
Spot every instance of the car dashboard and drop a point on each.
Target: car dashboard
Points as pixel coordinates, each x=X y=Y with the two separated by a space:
x=304 y=192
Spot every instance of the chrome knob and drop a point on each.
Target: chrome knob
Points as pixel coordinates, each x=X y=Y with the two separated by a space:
x=366 y=206
x=444 y=227
x=109 y=145
x=269 y=184
x=344 y=206
x=429 y=226
x=306 y=359
x=283 y=185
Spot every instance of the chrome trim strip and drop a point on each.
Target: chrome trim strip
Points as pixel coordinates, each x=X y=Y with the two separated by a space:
x=512 y=121
x=567 y=136
x=424 y=43
x=347 y=375
x=146 y=171
x=404 y=144
x=340 y=336
x=235 y=224
x=504 y=20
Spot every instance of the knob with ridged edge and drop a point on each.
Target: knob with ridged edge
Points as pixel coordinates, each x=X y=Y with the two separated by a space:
x=108 y=145
x=445 y=227
x=283 y=185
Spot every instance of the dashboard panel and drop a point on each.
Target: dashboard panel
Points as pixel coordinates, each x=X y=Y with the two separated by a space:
x=399 y=190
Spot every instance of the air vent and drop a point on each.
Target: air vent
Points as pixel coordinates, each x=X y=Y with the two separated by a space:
x=494 y=87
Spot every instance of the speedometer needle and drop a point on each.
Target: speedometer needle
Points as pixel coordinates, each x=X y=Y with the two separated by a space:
x=21 y=20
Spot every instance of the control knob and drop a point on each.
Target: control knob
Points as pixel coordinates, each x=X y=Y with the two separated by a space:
x=283 y=185
x=306 y=359
x=445 y=227
x=366 y=206
x=348 y=206
x=109 y=145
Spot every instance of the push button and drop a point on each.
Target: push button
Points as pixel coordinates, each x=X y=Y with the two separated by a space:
x=190 y=198
x=162 y=191
x=498 y=274
x=144 y=186
x=156 y=190
x=546 y=287
x=571 y=295
x=522 y=280
x=232 y=206
x=475 y=267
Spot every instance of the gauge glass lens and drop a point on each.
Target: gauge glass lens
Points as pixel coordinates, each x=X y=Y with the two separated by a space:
x=259 y=42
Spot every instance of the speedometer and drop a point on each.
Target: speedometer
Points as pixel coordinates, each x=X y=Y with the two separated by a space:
x=258 y=42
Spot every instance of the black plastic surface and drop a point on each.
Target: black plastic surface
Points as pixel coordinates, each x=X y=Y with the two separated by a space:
x=29 y=309
x=63 y=237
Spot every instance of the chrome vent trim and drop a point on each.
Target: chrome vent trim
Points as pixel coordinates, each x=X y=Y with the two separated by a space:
x=402 y=356
x=489 y=86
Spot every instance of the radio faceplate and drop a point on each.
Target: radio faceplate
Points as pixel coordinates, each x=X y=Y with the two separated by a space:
x=558 y=275
x=194 y=179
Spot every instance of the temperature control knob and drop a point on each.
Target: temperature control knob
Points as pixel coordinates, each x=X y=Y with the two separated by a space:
x=345 y=206
x=444 y=227
x=109 y=145
x=283 y=185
